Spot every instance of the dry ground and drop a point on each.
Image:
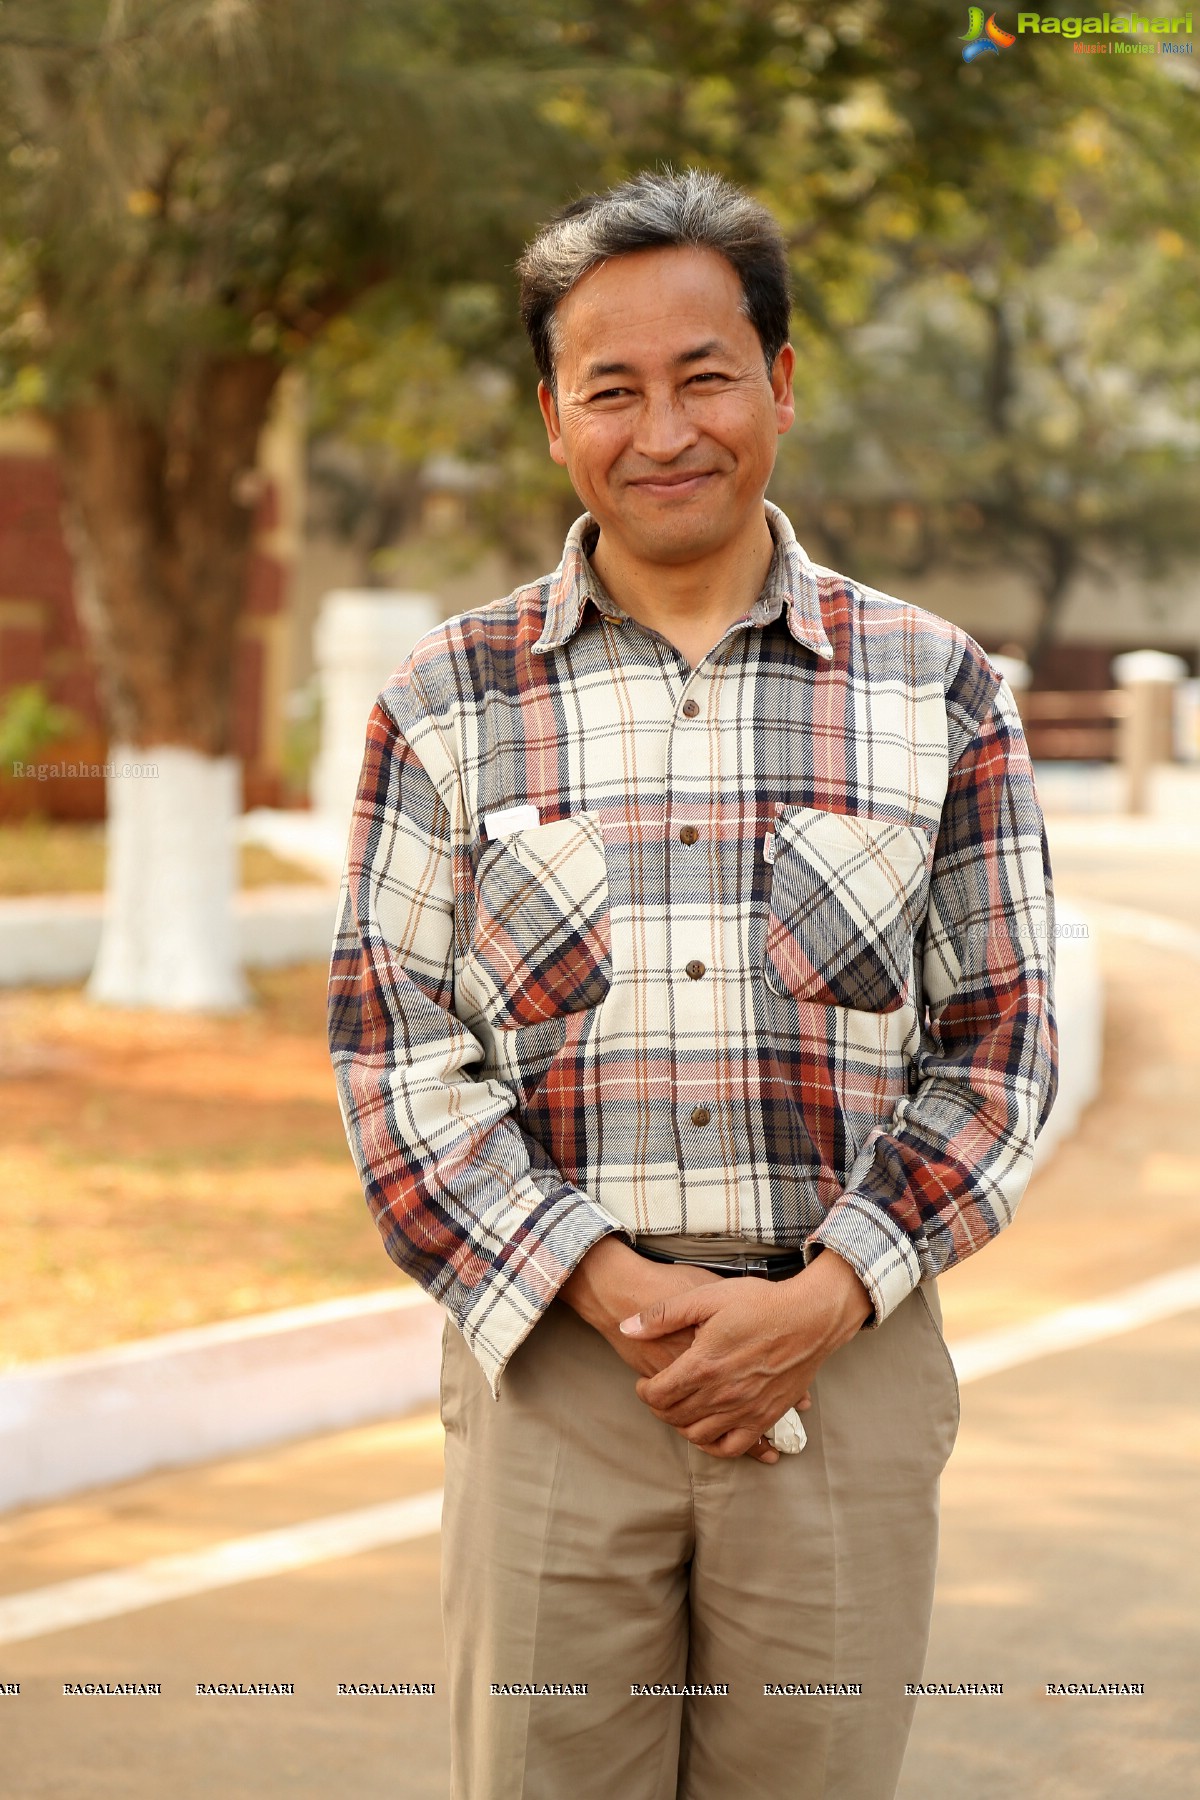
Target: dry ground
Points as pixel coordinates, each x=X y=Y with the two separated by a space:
x=162 y=1171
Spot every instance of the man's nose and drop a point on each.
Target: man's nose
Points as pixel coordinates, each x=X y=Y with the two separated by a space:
x=664 y=427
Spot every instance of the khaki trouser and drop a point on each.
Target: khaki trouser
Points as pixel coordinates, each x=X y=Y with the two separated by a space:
x=585 y=1541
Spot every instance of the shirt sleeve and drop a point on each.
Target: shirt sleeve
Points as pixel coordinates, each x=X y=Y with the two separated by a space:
x=946 y=1174
x=467 y=1203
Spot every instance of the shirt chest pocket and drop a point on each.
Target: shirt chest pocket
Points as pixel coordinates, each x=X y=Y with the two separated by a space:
x=542 y=942
x=848 y=894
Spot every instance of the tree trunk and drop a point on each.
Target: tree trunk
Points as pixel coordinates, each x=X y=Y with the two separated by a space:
x=1062 y=558
x=161 y=518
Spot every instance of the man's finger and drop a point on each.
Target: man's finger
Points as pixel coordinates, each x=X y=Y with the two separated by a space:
x=691 y=1307
x=711 y=1429
x=684 y=1390
x=722 y=1438
x=763 y=1452
x=740 y=1440
x=731 y=1445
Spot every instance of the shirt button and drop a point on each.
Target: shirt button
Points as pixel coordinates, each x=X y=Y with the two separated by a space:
x=690 y=708
x=688 y=834
x=695 y=970
x=700 y=1115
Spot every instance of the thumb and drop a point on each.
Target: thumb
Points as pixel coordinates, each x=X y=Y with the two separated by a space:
x=664 y=1316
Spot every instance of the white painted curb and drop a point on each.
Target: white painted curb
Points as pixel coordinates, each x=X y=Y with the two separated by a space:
x=83 y=1421
x=1079 y=1014
x=52 y=938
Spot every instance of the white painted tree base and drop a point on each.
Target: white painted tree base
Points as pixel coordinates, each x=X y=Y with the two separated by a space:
x=168 y=937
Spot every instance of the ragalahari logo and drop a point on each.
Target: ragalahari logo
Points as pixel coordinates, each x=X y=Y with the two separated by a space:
x=983 y=40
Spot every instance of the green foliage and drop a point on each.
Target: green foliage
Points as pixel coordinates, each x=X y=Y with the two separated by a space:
x=302 y=738
x=29 y=722
x=395 y=383
x=403 y=393
x=996 y=270
x=1022 y=396
x=181 y=178
x=996 y=265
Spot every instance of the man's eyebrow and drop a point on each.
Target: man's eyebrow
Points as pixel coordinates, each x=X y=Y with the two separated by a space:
x=595 y=371
x=713 y=347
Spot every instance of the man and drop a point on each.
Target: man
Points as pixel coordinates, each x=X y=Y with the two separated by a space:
x=691 y=1008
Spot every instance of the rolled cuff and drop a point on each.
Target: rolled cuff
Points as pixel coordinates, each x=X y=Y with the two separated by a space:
x=497 y=1316
x=881 y=1256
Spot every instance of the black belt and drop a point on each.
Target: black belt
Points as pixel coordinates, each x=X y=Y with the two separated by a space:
x=773 y=1268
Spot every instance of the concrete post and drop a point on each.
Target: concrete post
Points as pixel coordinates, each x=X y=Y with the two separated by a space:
x=361 y=636
x=1148 y=677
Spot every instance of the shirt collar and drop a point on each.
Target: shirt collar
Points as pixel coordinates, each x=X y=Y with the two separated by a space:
x=790 y=587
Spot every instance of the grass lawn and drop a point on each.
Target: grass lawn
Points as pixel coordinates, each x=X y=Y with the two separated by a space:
x=163 y=1171
x=40 y=856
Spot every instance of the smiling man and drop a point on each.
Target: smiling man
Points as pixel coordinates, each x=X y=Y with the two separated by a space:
x=691 y=1008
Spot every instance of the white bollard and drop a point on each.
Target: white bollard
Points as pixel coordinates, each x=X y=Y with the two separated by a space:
x=1186 y=721
x=361 y=636
x=1148 y=676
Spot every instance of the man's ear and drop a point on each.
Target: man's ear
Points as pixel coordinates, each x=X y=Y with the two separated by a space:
x=549 y=406
x=782 y=372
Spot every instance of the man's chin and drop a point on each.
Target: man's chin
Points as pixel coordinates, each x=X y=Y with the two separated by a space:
x=681 y=539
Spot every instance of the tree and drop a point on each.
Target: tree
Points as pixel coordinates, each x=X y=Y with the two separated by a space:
x=193 y=192
x=390 y=392
x=1025 y=391
x=857 y=122
x=190 y=190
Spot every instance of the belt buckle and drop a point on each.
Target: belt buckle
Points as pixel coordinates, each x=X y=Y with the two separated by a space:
x=752 y=1265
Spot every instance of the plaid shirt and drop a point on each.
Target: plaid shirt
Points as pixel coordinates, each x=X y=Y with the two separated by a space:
x=772 y=959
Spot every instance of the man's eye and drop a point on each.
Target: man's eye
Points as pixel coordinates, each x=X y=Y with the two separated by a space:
x=708 y=375
x=610 y=394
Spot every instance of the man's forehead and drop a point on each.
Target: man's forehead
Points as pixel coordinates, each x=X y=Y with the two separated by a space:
x=675 y=276
x=673 y=305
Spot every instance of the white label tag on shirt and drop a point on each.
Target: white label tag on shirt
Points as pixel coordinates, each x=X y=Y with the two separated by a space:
x=769 y=847
x=511 y=820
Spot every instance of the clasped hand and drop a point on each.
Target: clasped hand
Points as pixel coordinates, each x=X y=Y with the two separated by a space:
x=749 y=1360
x=719 y=1359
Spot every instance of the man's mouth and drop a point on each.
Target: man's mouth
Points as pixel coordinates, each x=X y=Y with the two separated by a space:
x=679 y=485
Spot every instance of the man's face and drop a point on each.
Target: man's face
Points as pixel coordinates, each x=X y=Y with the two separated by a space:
x=666 y=419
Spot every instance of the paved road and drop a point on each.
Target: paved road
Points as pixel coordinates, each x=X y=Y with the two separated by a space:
x=1069 y=1549
x=1069 y=1554
x=371 y=1617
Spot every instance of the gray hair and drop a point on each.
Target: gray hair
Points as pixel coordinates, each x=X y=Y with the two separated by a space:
x=654 y=211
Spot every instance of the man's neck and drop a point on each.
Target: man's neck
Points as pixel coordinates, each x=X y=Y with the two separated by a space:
x=692 y=605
